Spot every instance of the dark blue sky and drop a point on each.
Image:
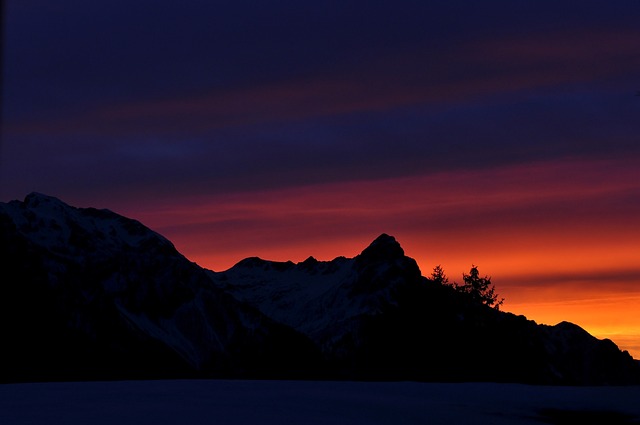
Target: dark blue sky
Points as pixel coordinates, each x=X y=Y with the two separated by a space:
x=118 y=96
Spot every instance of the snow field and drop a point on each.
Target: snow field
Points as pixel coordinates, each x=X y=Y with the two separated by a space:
x=198 y=402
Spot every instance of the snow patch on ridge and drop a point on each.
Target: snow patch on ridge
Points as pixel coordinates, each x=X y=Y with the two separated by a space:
x=295 y=295
x=61 y=228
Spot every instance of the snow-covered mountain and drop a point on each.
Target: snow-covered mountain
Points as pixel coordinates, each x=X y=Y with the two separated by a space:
x=376 y=317
x=89 y=294
x=327 y=301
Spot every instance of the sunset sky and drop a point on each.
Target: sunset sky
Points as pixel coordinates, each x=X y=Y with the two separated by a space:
x=500 y=133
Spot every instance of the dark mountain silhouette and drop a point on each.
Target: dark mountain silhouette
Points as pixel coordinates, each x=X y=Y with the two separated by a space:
x=89 y=294
x=376 y=317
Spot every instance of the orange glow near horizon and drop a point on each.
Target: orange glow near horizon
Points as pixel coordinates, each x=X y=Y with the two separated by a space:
x=560 y=239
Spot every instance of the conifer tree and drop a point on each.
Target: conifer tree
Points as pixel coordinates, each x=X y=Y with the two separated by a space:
x=439 y=277
x=479 y=288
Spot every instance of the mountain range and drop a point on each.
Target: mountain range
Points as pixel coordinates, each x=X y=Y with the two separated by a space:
x=89 y=294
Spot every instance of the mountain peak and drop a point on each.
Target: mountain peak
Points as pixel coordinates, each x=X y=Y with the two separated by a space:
x=34 y=199
x=383 y=247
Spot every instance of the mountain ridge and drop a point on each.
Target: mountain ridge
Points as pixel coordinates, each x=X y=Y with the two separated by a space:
x=100 y=296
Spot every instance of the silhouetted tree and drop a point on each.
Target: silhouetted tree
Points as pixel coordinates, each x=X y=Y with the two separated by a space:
x=438 y=276
x=479 y=288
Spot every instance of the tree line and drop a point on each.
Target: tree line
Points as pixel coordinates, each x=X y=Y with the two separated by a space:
x=479 y=289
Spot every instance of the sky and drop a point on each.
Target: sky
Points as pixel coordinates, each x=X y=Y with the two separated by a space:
x=502 y=133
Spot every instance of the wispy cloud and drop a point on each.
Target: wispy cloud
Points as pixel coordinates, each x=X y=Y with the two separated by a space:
x=542 y=209
x=472 y=71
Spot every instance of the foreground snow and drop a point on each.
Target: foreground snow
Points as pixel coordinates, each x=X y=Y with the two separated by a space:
x=280 y=402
